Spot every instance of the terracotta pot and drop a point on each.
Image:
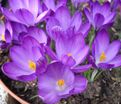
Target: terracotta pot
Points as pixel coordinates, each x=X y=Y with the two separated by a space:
x=21 y=101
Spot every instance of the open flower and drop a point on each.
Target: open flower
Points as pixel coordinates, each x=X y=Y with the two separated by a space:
x=71 y=46
x=25 y=60
x=106 y=54
x=71 y=50
x=27 y=12
x=63 y=22
x=100 y=16
x=59 y=82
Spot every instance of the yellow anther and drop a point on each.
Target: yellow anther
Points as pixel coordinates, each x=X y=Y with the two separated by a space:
x=3 y=37
x=32 y=65
x=60 y=82
x=69 y=54
x=102 y=57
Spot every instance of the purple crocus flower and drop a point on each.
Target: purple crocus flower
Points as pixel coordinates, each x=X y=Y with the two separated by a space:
x=25 y=61
x=100 y=16
x=27 y=12
x=71 y=50
x=71 y=45
x=54 y=4
x=63 y=22
x=106 y=54
x=59 y=82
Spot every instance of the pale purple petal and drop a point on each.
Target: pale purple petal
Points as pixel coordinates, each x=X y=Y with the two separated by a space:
x=80 y=84
x=112 y=50
x=116 y=61
x=63 y=14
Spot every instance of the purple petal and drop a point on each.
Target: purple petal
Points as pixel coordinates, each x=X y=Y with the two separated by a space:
x=101 y=43
x=10 y=15
x=26 y=78
x=20 y=4
x=52 y=23
x=88 y=15
x=116 y=61
x=19 y=55
x=82 y=68
x=68 y=60
x=34 y=7
x=38 y=34
x=80 y=84
x=50 y=4
x=81 y=55
x=73 y=45
x=51 y=54
x=42 y=16
x=37 y=53
x=8 y=36
x=2 y=28
x=99 y=20
x=14 y=71
x=112 y=50
x=84 y=29
x=25 y=17
x=62 y=14
x=48 y=97
x=76 y=20
x=105 y=66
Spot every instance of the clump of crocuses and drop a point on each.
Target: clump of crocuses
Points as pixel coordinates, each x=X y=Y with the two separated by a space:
x=47 y=42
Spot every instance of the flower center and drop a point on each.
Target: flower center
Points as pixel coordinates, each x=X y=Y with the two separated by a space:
x=3 y=37
x=60 y=82
x=32 y=65
x=102 y=57
x=69 y=54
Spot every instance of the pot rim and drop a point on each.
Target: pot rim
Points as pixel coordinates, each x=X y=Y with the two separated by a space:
x=13 y=94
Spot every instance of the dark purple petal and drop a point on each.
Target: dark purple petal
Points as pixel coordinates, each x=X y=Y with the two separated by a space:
x=82 y=68
x=73 y=46
x=84 y=29
x=34 y=7
x=52 y=23
x=10 y=15
x=99 y=20
x=68 y=60
x=20 y=4
x=105 y=66
x=25 y=17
